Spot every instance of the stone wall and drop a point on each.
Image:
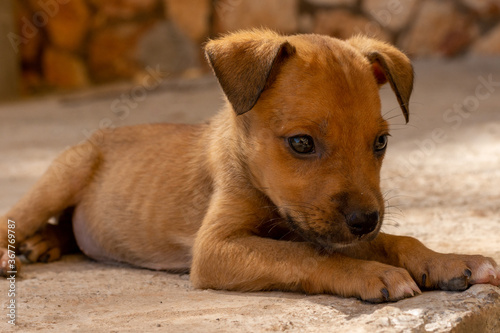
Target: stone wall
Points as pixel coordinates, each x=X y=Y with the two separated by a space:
x=76 y=43
x=9 y=72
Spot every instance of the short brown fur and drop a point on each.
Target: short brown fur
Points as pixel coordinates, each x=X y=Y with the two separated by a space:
x=233 y=201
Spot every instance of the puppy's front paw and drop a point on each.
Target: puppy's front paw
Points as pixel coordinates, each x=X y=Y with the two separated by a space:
x=384 y=283
x=455 y=272
x=485 y=270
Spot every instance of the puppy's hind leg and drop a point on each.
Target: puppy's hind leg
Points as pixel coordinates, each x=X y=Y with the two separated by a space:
x=59 y=188
x=51 y=241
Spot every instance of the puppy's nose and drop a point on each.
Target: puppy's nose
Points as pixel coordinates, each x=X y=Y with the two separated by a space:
x=361 y=222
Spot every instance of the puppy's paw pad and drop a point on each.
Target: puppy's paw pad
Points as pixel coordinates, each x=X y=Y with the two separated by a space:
x=458 y=283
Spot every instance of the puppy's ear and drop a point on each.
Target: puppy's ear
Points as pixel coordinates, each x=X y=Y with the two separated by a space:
x=246 y=63
x=388 y=65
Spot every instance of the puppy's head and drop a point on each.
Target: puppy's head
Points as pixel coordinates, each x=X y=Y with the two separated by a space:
x=308 y=109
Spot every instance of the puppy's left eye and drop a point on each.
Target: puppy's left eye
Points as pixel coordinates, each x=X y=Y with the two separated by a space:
x=381 y=143
x=302 y=144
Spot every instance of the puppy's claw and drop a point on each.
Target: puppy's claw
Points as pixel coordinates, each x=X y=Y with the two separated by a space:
x=385 y=294
x=415 y=289
x=44 y=258
x=403 y=292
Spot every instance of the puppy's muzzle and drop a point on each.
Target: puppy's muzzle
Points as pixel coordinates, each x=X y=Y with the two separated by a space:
x=362 y=222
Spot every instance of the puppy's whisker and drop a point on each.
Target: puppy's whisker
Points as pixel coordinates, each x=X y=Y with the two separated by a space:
x=391 y=117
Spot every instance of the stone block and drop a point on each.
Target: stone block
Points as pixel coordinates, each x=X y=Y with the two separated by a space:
x=306 y=23
x=9 y=56
x=280 y=15
x=166 y=47
x=332 y=2
x=190 y=16
x=344 y=24
x=489 y=44
x=112 y=51
x=66 y=22
x=391 y=14
x=28 y=38
x=122 y=9
x=62 y=69
x=31 y=82
x=440 y=29
x=485 y=8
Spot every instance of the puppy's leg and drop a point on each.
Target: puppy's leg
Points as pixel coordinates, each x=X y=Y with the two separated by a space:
x=227 y=255
x=431 y=270
x=60 y=187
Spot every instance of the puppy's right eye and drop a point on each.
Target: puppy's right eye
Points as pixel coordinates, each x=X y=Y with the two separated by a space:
x=302 y=144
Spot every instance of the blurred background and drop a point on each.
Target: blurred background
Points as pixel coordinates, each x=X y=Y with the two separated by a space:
x=60 y=45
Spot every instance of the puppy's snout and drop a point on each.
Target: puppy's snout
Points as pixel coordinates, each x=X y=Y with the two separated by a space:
x=361 y=222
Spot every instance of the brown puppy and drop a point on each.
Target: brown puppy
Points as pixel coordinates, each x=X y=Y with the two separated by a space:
x=279 y=191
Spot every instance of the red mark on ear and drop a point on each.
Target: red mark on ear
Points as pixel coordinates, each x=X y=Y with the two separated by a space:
x=379 y=73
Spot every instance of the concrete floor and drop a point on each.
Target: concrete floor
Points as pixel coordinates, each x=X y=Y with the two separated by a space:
x=441 y=175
